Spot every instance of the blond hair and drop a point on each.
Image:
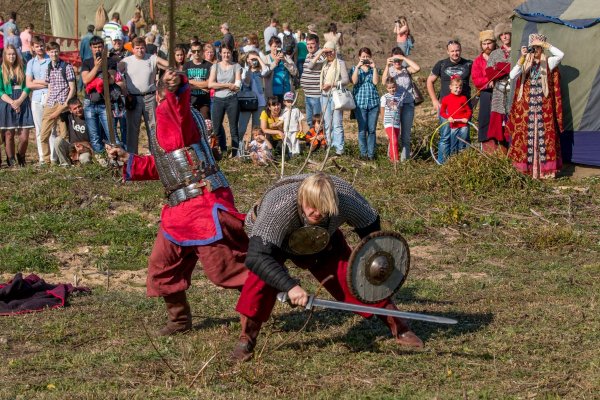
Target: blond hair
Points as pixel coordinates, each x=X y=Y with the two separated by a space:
x=318 y=191
x=15 y=70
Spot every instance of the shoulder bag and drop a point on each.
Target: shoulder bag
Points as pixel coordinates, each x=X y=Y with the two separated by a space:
x=414 y=90
x=342 y=98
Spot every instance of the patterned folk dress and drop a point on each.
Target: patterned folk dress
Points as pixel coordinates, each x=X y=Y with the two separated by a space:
x=535 y=123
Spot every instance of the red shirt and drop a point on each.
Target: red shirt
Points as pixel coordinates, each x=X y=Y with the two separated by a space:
x=193 y=222
x=456 y=107
x=478 y=74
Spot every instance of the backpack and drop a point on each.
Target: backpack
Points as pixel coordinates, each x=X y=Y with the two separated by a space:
x=288 y=44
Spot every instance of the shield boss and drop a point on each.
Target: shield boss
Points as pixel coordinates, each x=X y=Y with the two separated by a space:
x=378 y=266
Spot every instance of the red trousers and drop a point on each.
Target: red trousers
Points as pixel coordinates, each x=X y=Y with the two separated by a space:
x=170 y=266
x=393 y=136
x=258 y=299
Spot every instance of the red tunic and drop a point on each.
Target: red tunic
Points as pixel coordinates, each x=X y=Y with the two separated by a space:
x=456 y=107
x=193 y=222
x=478 y=74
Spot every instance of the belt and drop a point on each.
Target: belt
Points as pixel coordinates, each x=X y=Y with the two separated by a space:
x=144 y=94
x=185 y=193
x=17 y=87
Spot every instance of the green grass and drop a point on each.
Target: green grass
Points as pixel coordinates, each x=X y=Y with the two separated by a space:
x=524 y=288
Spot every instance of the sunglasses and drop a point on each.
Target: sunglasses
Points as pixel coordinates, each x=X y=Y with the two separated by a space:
x=196 y=51
x=453 y=42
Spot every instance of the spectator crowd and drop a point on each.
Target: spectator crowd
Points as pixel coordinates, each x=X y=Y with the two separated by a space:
x=255 y=83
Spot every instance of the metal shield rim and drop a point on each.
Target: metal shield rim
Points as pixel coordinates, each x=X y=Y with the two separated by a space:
x=355 y=251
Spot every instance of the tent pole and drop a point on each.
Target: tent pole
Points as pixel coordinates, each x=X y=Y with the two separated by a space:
x=76 y=20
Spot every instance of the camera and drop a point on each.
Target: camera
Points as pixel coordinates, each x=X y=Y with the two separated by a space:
x=397 y=21
x=530 y=49
x=98 y=54
x=366 y=62
x=255 y=63
x=278 y=50
x=397 y=60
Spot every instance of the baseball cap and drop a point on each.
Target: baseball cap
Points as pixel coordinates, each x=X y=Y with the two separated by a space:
x=288 y=96
x=117 y=35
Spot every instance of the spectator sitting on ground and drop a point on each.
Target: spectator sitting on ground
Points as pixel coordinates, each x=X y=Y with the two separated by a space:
x=75 y=147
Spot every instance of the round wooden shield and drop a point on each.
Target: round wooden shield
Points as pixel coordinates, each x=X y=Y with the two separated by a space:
x=378 y=266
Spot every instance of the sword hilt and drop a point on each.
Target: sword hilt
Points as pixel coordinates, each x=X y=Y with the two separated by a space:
x=284 y=298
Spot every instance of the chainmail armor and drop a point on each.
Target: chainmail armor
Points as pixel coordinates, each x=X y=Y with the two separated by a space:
x=184 y=180
x=277 y=215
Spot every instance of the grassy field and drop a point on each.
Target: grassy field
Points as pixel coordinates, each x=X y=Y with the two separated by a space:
x=515 y=261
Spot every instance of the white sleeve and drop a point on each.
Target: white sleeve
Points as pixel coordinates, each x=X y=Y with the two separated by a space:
x=556 y=57
x=382 y=102
x=515 y=71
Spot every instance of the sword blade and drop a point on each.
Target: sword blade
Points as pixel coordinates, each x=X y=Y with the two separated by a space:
x=338 y=305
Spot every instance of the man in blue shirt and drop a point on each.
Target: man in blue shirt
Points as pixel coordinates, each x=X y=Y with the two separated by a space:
x=35 y=78
x=85 y=51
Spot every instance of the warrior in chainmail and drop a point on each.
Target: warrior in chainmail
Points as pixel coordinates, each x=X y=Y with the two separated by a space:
x=200 y=220
x=299 y=219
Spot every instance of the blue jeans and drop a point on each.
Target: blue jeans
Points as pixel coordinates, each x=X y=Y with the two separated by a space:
x=313 y=106
x=457 y=145
x=449 y=143
x=97 y=124
x=367 y=129
x=332 y=123
x=221 y=106
x=122 y=122
x=300 y=66
x=243 y=120
x=407 y=116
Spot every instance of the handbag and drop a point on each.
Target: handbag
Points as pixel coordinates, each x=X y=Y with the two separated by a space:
x=415 y=91
x=247 y=99
x=342 y=98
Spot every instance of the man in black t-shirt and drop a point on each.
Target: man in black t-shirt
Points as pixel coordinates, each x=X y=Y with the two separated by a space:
x=76 y=146
x=445 y=69
x=93 y=104
x=197 y=71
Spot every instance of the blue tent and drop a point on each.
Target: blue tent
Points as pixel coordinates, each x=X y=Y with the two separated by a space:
x=572 y=26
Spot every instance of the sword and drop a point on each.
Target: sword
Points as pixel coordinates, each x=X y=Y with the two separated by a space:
x=339 y=305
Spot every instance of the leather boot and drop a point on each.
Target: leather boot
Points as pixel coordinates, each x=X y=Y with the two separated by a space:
x=400 y=329
x=179 y=313
x=244 y=349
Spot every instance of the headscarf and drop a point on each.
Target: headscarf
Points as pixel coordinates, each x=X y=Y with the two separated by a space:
x=330 y=73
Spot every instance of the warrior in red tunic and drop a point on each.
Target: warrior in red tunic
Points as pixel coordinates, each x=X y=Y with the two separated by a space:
x=536 y=117
x=200 y=220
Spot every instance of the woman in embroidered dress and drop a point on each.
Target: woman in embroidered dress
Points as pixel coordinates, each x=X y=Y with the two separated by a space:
x=536 y=117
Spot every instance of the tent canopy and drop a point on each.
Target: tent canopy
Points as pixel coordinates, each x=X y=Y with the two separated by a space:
x=62 y=14
x=573 y=27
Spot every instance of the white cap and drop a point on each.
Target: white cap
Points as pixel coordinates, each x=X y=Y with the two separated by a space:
x=117 y=35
